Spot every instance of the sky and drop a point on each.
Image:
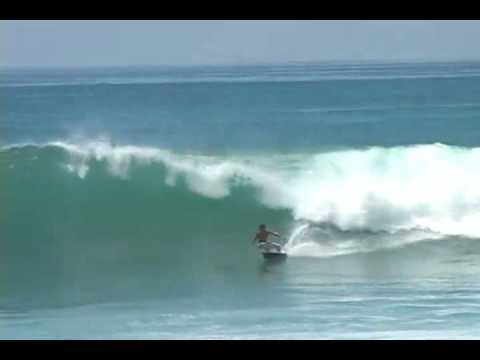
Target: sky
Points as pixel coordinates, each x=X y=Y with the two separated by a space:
x=162 y=42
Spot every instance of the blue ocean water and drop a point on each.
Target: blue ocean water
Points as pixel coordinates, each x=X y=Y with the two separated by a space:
x=130 y=197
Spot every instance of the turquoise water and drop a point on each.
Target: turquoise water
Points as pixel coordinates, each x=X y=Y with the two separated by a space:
x=130 y=198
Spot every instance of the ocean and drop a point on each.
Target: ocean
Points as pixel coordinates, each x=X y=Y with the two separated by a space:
x=129 y=198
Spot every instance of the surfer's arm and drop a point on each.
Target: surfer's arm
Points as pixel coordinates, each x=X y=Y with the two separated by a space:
x=274 y=233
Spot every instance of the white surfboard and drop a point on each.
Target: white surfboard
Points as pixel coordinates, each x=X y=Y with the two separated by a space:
x=270 y=251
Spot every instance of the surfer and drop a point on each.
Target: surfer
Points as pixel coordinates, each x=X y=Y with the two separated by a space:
x=261 y=237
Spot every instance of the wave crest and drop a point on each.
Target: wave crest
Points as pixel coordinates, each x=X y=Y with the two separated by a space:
x=433 y=187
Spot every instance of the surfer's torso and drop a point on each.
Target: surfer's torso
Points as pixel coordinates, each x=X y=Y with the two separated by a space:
x=262 y=236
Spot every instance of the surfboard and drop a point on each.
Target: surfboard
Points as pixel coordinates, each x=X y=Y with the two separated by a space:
x=267 y=255
x=271 y=253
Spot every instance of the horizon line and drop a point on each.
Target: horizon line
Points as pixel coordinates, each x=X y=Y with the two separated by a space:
x=252 y=63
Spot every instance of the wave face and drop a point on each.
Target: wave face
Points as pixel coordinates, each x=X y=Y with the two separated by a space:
x=83 y=215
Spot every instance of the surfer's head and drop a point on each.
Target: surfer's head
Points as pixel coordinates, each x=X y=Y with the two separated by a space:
x=262 y=226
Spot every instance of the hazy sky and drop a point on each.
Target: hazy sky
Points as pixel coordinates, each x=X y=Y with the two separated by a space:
x=90 y=43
